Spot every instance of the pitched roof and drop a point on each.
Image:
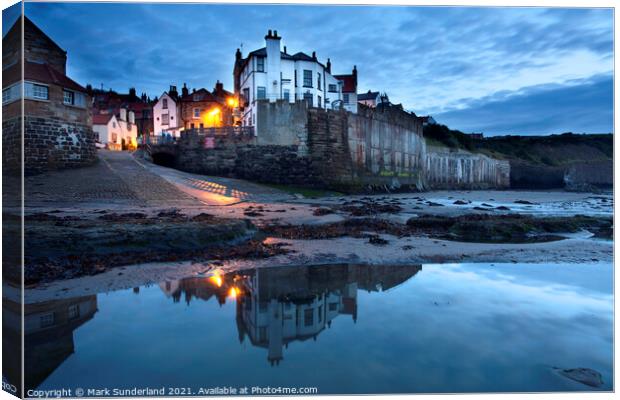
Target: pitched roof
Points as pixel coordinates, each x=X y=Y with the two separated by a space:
x=199 y=95
x=102 y=119
x=262 y=52
x=29 y=25
x=43 y=73
x=348 y=81
x=368 y=95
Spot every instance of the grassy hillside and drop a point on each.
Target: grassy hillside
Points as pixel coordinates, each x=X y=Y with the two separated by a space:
x=552 y=150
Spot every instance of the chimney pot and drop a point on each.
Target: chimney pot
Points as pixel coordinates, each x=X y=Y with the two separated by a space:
x=269 y=33
x=285 y=50
x=314 y=55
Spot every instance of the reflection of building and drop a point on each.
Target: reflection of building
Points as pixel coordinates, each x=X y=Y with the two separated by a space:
x=48 y=334
x=281 y=305
x=276 y=306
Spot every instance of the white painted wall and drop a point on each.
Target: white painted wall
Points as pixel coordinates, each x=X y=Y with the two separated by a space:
x=173 y=112
x=274 y=80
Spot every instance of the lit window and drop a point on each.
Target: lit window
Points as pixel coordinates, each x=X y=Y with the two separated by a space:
x=46 y=320
x=260 y=64
x=307 y=78
x=196 y=112
x=261 y=93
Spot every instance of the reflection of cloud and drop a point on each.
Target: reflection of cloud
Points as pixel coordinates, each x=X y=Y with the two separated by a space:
x=425 y=57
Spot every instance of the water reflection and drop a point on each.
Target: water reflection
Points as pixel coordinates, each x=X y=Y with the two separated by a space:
x=276 y=306
x=48 y=334
x=478 y=327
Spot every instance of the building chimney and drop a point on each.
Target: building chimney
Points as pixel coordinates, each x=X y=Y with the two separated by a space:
x=173 y=91
x=132 y=117
x=184 y=90
x=328 y=67
x=355 y=75
x=123 y=116
x=285 y=50
x=132 y=92
x=219 y=86
x=269 y=35
x=314 y=55
x=238 y=55
x=273 y=66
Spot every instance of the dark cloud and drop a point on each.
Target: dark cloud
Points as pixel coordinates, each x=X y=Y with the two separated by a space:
x=431 y=59
x=579 y=106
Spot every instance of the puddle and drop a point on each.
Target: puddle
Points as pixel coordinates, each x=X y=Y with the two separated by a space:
x=339 y=328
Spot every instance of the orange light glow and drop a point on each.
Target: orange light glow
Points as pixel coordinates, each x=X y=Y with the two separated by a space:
x=216 y=280
x=232 y=102
x=233 y=292
x=212 y=118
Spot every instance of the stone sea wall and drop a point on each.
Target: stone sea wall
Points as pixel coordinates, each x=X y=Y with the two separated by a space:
x=446 y=169
x=378 y=148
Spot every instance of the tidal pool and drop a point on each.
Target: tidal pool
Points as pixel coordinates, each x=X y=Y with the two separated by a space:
x=338 y=328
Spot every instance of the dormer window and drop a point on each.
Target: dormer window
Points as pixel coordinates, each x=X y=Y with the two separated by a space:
x=260 y=64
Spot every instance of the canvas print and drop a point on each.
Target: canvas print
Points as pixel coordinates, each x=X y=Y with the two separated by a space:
x=306 y=199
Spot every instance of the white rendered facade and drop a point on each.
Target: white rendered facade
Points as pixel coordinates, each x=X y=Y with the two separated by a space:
x=272 y=74
x=167 y=116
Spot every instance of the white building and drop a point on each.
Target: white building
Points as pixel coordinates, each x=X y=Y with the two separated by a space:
x=167 y=114
x=274 y=74
x=113 y=131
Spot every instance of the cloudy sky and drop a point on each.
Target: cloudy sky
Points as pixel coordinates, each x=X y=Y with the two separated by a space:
x=491 y=70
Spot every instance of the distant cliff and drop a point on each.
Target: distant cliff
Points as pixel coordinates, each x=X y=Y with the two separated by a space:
x=571 y=161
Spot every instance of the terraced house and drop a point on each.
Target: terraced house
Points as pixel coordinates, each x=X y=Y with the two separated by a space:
x=271 y=73
x=57 y=117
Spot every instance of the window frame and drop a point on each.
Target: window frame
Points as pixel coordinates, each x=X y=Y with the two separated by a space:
x=165 y=119
x=307 y=76
x=164 y=104
x=66 y=92
x=258 y=93
x=260 y=64
x=332 y=88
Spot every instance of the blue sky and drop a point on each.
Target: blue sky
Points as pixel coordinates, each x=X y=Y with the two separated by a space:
x=491 y=70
